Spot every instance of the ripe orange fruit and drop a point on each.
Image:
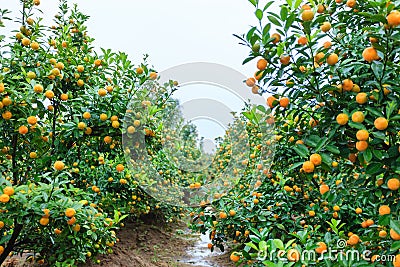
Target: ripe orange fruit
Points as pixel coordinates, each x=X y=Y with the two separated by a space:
x=6 y=101
x=86 y=115
x=370 y=54
x=4 y=198
x=70 y=212
x=102 y=92
x=262 y=64
x=305 y=7
x=76 y=228
x=302 y=40
x=1 y=250
x=327 y=45
x=323 y=189
x=393 y=184
x=284 y=59
x=25 y=41
x=23 y=129
x=393 y=18
x=59 y=165
x=275 y=38
x=1 y=224
x=356 y=88
x=382 y=233
x=97 y=62
x=311 y=213
x=308 y=166
x=351 y=3
x=49 y=94
x=358 y=117
x=381 y=123
x=250 y=82
x=361 y=98
x=223 y=215
x=293 y=255
x=57 y=231
x=270 y=101
x=139 y=70
x=342 y=119
x=361 y=145
x=153 y=75
x=119 y=168
x=71 y=221
x=362 y=135
x=353 y=240
x=8 y=190
x=103 y=117
x=80 y=83
x=369 y=222
x=6 y=115
x=332 y=59
x=38 y=88
x=232 y=213
x=307 y=15
x=347 y=85
x=81 y=125
x=396 y=261
x=31 y=120
x=107 y=139
x=321 y=9
x=326 y=26
x=394 y=235
x=358 y=211
x=44 y=221
x=80 y=68
x=384 y=210
x=64 y=97
x=316 y=159
x=284 y=102
x=234 y=257
x=321 y=248
x=35 y=46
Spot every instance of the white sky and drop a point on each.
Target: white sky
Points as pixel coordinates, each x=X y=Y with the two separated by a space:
x=172 y=32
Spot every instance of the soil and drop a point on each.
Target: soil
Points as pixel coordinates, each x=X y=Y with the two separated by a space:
x=147 y=244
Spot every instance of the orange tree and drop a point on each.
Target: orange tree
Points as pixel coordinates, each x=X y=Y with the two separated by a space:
x=331 y=69
x=64 y=185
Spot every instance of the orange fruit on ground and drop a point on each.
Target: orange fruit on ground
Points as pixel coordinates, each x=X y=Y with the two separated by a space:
x=326 y=26
x=308 y=166
x=362 y=135
x=234 y=257
x=332 y=59
x=361 y=145
x=353 y=240
x=223 y=215
x=393 y=18
x=31 y=120
x=361 y=98
x=270 y=101
x=307 y=15
x=321 y=248
x=384 y=210
x=250 y=82
x=394 y=235
x=23 y=129
x=393 y=184
x=316 y=159
x=4 y=198
x=284 y=102
x=347 y=85
x=342 y=119
x=323 y=189
x=302 y=40
x=381 y=123
x=358 y=117
x=370 y=54
x=70 y=212
x=44 y=221
x=8 y=190
x=262 y=64
x=59 y=165
x=276 y=38
x=119 y=168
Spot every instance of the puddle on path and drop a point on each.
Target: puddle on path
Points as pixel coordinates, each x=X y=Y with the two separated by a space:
x=199 y=255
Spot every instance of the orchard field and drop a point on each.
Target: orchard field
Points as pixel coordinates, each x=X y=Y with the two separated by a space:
x=311 y=178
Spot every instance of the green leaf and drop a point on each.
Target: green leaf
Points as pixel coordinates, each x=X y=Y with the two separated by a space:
x=312 y=140
x=374 y=168
x=259 y=14
x=374 y=111
x=377 y=68
x=274 y=21
x=301 y=150
x=333 y=149
x=278 y=244
x=368 y=155
x=395 y=225
x=395 y=246
x=254 y=2
x=321 y=144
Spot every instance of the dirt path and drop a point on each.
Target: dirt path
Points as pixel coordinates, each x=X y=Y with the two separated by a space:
x=144 y=244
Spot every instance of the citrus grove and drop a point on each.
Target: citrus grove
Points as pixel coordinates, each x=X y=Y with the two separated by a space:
x=330 y=70
x=65 y=187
